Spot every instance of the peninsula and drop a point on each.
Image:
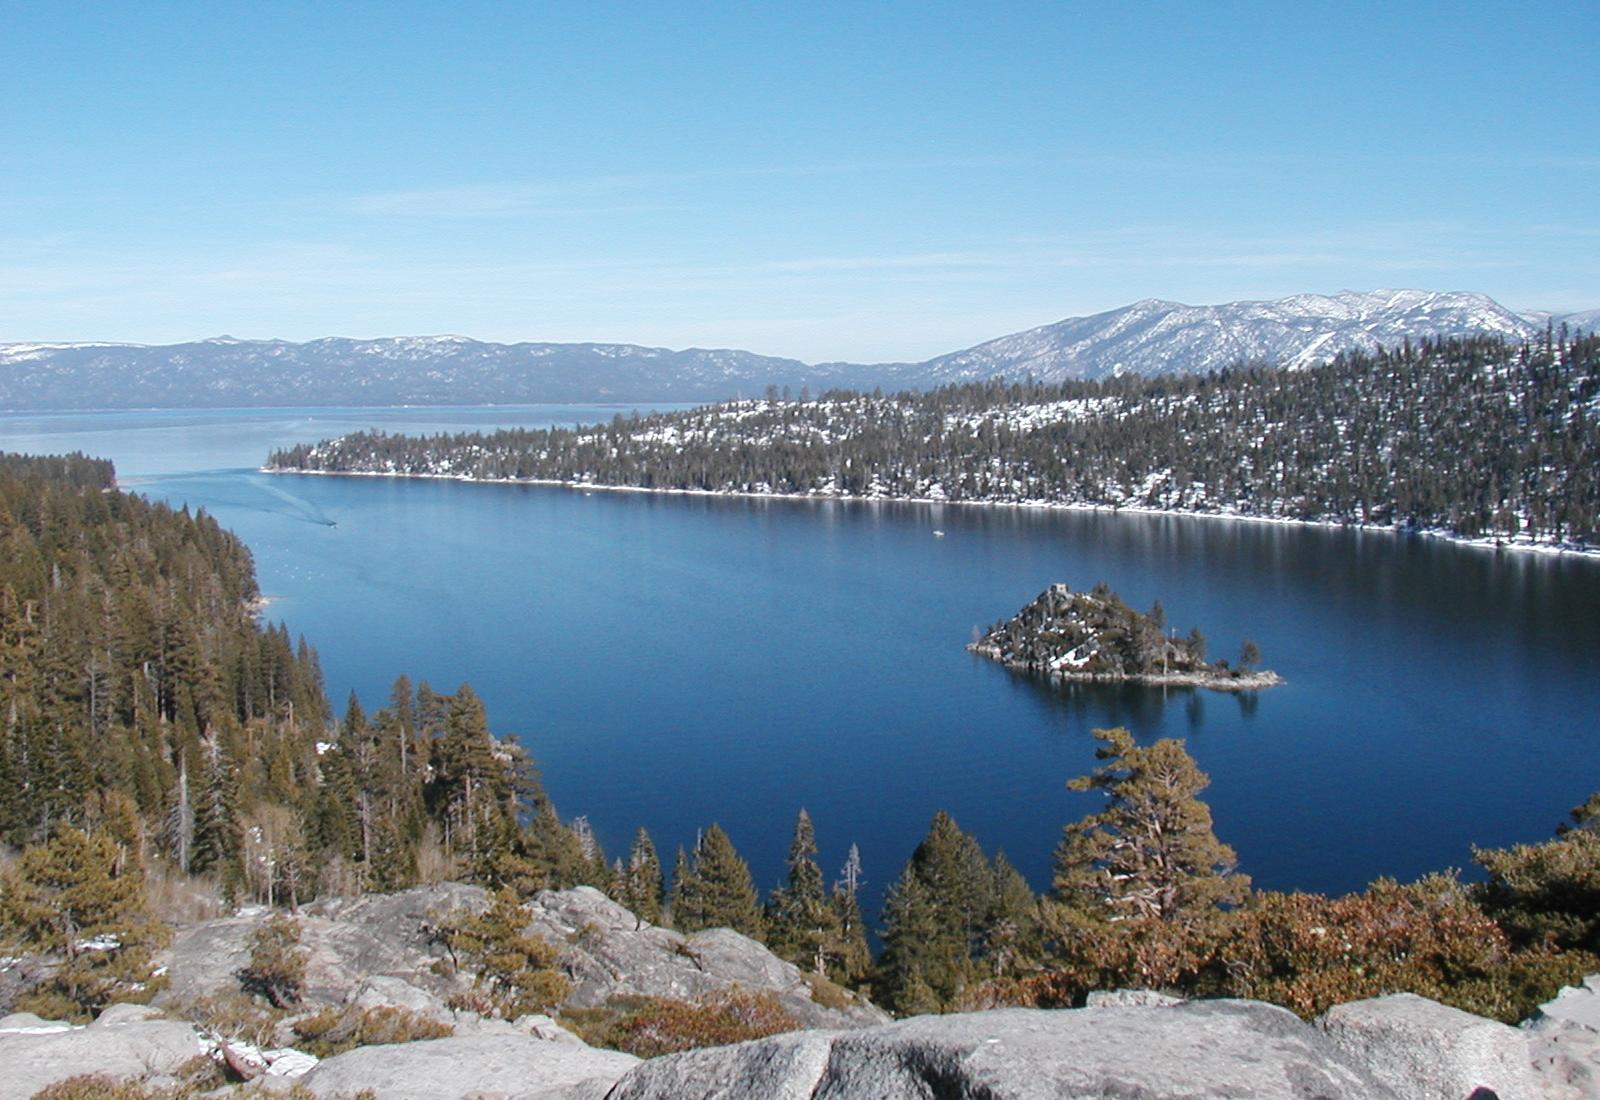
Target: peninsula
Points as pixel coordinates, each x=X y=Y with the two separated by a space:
x=1096 y=637
x=1481 y=441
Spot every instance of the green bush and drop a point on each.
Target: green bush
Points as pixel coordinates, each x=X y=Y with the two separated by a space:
x=277 y=967
x=513 y=970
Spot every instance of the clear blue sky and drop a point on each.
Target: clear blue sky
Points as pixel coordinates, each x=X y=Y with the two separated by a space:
x=880 y=181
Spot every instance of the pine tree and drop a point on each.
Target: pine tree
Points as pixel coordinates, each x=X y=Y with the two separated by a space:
x=683 y=904
x=276 y=969
x=470 y=785
x=910 y=931
x=803 y=926
x=554 y=854
x=594 y=869
x=1151 y=852
x=719 y=892
x=934 y=917
x=80 y=897
x=851 y=962
x=640 y=879
x=514 y=969
x=1013 y=937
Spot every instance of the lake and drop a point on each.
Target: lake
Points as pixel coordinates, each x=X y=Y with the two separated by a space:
x=673 y=661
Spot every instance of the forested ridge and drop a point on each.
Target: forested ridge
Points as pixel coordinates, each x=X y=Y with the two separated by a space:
x=1475 y=437
x=139 y=692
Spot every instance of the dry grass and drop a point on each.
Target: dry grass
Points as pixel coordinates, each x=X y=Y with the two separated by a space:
x=176 y=898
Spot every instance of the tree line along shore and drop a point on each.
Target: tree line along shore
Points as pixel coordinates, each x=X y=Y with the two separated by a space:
x=1474 y=438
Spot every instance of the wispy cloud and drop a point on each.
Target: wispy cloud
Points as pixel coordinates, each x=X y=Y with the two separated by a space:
x=496 y=200
x=1421 y=246
x=518 y=198
x=823 y=265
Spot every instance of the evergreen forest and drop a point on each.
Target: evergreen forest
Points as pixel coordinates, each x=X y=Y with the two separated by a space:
x=1473 y=437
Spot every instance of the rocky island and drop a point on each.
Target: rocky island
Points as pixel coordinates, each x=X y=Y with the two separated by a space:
x=1095 y=637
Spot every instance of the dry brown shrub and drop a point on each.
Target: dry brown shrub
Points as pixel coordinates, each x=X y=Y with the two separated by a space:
x=336 y=1030
x=665 y=1026
x=100 y=1086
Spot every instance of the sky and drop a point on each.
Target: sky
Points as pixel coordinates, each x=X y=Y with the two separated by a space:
x=865 y=182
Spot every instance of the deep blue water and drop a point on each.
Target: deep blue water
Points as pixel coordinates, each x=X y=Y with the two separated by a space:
x=672 y=661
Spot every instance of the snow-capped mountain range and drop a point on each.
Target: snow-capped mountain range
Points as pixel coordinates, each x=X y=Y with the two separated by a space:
x=1147 y=337
x=1157 y=337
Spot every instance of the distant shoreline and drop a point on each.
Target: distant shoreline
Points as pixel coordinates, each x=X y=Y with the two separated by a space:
x=1515 y=545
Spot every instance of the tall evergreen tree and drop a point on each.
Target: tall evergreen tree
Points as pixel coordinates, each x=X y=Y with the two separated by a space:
x=911 y=933
x=1151 y=852
x=1143 y=888
x=851 y=964
x=803 y=926
x=640 y=879
x=684 y=898
x=934 y=918
x=718 y=892
x=1013 y=934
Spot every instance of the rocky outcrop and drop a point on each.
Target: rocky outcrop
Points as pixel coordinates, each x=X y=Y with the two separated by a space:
x=516 y=1067
x=346 y=942
x=783 y=1067
x=1132 y=1045
x=372 y=943
x=378 y=952
x=35 y=1053
x=1202 y=1049
x=608 y=953
x=1565 y=1035
x=1424 y=1050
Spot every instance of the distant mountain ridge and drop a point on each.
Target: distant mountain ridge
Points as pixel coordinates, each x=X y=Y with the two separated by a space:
x=1158 y=337
x=1148 y=337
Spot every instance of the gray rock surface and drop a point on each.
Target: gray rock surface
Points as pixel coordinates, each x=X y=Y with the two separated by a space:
x=136 y=1048
x=606 y=952
x=1574 y=1007
x=387 y=992
x=117 y=1015
x=346 y=942
x=514 y=1067
x=1216 y=1049
x=27 y=1022
x=541 y=1026
x=784 y=1067
x=1130 y=998
x=1428 y=1051
x=1565 y=1035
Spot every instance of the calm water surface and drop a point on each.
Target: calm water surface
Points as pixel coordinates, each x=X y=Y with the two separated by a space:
x=677 y=660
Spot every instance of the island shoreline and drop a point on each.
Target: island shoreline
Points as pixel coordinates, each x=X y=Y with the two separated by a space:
x=1248 y=681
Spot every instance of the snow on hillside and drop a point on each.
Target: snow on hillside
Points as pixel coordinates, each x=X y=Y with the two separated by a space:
x=1160 y=337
